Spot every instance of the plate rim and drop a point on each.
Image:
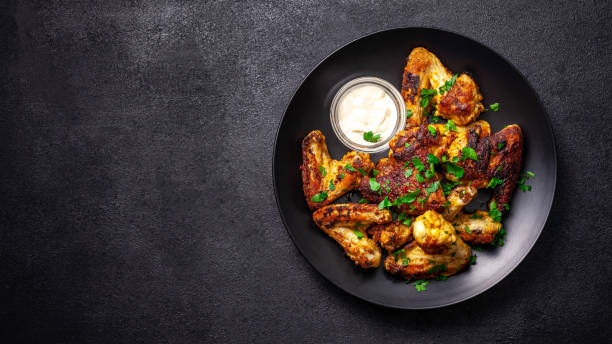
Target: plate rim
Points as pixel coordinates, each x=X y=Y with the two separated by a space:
x=513 y=266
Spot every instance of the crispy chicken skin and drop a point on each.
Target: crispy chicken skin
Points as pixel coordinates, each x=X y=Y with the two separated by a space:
x=458 y=198
x=391 y=236
x=395 y=184
x=420 y=143
x=482 y=228
x=320 y=171
x=342 y=221
x=433 y=233
x=499 y=156
x=424 y=70
x=415 y=263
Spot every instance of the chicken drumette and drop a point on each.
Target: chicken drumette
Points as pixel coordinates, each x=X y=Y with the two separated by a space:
x=348 y=224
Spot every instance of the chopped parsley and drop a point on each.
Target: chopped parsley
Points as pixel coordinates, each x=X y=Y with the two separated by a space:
x=426 y=96
x=384 y=203
x=475 y=216
x=363 y=201
x=432 y=159
x=320 y=197
x=375 y=172
x=406 y=144
x=432 y=130
x=408 y=173
x=454 y=169
x=323 y=171
x=401 y=254
x=419 y=177
x=447 y=85
x=407 y=198
x=467 y=229
x=374 y=185
x=494 y=107
x=408 y=113
x=433 y=187
x=450 y=125
x=506 y=206
x=494 y=182
x=500 y=145
x=437 y=269
x=331 y=185
x=530 y=174
x=370 y=137
x=362 y=171
x=341 y=176
x=358 y=234
x=421 y=285
x=469 y=153
x=521 y=183
x=499 y=238
x=418 y=164
x=350 y=168
x=472 y=260
x=447 y=187
x=494 y=212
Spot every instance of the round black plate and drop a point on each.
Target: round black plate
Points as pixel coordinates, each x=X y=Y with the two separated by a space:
x=383 y=55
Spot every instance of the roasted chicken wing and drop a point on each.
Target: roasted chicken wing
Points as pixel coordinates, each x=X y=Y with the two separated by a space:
x=391 y=236
x=347 y=224
x=458 y=198
x=435 y=250
x=483 y=160
x=324 y=179
x=423 y=70
x=476 y=228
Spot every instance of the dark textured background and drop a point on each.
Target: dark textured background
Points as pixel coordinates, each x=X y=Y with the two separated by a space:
x=136 y=193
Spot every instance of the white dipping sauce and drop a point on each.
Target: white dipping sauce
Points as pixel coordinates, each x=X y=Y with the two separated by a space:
x=366 y=108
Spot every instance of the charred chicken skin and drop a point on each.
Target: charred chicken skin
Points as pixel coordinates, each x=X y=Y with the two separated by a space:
x=476 y=228
x=423 y=70
x=347 y=224
x=328 y=178
x=391 y=236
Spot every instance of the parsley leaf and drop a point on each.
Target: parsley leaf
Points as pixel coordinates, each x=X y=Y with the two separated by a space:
x=362 y=171
x=499 y=238
x=494 y=212
x=473 y=260
x=331 y=185
x=447 y=85
x=433 y=187
x=350 y=168
x=358 y=234
x=375 y=172
x=447 y=187
x=385 y=203
x=432 y=130
x=531 y=174
x=407 y=221
x=401 y=216
x=467 y=229
x=432 y=159
x=363 y=201
x=408 y=113
x=436 y=269
x=494 y=182
x=421 y=285
x=407 y=198
x=419 y=177
x=374 y=185
x=341 y=176
x=454 y=169
x=320 y=197
x=494 y=107
x=418 y=164
x=406 y=144
x=370 y=137
x=408 y=173
x=426 y=96
x=469 y=153
x=500 y=145
x=450 y=125
x=323 y=171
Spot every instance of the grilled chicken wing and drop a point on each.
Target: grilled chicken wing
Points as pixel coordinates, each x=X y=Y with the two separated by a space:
x=433 y=233
x=499 y=156
x=446 y=254
x=402 y=188
x=424 y=70
x=322 y=174
x=391 y=236
x=421 y=141
x=347 y=223
x=458 y=198
x=477 y=228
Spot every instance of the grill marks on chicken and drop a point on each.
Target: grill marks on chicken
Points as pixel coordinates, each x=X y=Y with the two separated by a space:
x=320 y=173
x=347 y=224
x=462 y=103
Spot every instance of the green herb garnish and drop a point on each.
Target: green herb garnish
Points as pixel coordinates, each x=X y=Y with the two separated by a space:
x=370 y=137
x=320 y=197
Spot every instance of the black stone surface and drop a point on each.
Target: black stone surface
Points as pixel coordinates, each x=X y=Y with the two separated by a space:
x=136 y=194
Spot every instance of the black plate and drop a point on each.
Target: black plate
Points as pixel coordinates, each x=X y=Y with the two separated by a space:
x=383 y=55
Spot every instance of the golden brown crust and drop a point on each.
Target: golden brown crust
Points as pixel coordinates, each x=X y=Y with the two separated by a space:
x=347 y=224
x=433 y=233
x=462 y=102
x=481 y=229
x=316 y=159
x=391 y=236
